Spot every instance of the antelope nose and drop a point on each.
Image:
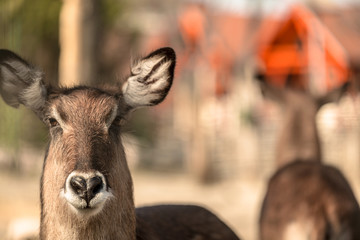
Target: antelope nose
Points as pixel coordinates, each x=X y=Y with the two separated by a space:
x=86 y=188
x=78 y=185
x=95 y=185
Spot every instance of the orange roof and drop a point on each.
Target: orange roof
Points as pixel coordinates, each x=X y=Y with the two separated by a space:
x=300 y=45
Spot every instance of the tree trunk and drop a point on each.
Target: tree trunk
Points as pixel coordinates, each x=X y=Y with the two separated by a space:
x=79 y=27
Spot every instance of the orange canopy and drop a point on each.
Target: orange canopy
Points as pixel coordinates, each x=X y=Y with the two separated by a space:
x=301 y=49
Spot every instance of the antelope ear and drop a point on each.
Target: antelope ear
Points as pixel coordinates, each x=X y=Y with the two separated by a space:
x=334 y=95
x=150 y=80
x=20 y=83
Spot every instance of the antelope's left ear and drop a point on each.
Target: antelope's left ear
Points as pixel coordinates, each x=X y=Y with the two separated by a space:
x=150 y=80
x=334 y=95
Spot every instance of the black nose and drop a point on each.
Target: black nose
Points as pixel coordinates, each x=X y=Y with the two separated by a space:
x=78 y=185
x=94 y=185
x=86 y=188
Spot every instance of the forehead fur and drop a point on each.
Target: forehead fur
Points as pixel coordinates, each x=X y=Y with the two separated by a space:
x=84 y=103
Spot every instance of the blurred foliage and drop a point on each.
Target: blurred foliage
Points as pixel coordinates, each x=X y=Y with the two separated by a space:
x=31 y=28
x=110 y=11
x=16 y=124
x=28 y=25
x=142 y=124
x=10 y=125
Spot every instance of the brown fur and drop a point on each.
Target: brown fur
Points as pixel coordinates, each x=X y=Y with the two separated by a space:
x=315 y=196
x=298 y=137
x=306 y=199
x=85 y=153
x=86 y=147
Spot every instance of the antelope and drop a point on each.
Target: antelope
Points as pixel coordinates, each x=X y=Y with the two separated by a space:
x=86 y=186
x=305 y=198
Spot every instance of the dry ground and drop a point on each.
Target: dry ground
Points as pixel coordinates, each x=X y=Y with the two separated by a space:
x=236 y=201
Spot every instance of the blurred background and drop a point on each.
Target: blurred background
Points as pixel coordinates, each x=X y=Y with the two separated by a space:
x=212 y=141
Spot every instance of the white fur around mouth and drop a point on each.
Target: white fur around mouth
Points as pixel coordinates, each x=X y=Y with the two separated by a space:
x=81 y=207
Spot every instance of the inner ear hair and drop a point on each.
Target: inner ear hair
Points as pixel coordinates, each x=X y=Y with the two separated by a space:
x=150 y=80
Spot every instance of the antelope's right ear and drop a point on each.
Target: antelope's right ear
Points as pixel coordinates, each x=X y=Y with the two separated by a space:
x=334 y=95
x=150 y=80
x=20 y=83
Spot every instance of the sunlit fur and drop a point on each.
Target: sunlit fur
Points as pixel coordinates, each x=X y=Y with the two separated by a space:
x=85 y=141
x=86 y=147
x=84 y=125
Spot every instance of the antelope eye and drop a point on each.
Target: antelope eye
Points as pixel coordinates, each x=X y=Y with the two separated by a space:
x=53 y=122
